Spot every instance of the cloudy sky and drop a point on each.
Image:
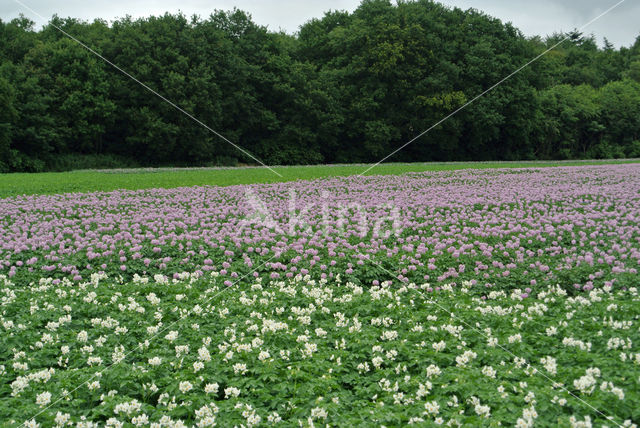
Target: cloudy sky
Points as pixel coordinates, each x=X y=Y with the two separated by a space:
x=540 y=17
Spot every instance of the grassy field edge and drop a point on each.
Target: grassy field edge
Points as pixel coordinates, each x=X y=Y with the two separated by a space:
x=17 y=184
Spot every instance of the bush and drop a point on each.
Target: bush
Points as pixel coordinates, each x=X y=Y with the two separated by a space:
x=606 y=150
x=633 y=149
x=75 y=161
x=223 y=161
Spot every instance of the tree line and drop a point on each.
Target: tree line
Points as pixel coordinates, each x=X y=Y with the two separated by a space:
x=348 y=87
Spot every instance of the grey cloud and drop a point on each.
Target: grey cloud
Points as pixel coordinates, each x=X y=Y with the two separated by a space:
x=544 y=17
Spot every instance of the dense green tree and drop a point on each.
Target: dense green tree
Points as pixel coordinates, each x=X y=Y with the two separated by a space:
x=570 y=122
x=634 y=71
x=620 y=104
x=8 y=115
x=34 y=132
x=348 y=87
x=18 y=37
x=75 y=81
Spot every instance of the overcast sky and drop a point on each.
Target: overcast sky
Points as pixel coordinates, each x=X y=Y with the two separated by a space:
x=540 y=17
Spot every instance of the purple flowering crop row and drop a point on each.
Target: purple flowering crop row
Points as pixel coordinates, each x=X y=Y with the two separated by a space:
x=578 y=226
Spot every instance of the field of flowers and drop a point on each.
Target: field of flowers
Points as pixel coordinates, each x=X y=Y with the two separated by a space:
x=462 y=298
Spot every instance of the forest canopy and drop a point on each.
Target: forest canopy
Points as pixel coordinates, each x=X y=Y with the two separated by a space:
x=348 y=87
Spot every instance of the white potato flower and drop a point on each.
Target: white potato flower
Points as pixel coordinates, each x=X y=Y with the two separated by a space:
x=432 y=407
x=43 y=399
x=211 y=388
x=185 y=386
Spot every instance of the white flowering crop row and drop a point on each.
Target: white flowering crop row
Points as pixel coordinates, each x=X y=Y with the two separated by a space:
x=299 y=352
